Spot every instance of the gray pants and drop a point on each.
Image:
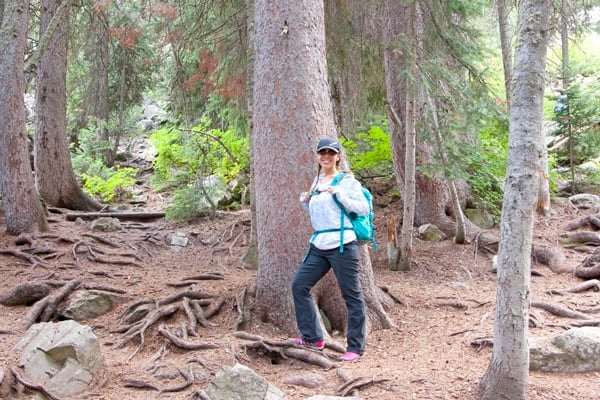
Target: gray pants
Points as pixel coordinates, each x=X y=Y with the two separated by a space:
x=345 y=267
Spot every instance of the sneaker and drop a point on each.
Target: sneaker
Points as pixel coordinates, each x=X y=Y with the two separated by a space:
x=349 y=356
x=320 y=345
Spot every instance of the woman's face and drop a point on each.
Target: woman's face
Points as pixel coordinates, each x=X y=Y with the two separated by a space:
x=327 y=158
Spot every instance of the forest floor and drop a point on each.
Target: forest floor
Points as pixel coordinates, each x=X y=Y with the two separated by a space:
x=447 y=303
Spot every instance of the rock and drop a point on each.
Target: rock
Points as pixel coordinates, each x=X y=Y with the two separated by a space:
x=62 y=356
x=481 y=218
x=431 y=233
x=306 y=380
x=241 y=383
x=106 y=224
x=179 y=239
x=577 y=350
x=91 y=304
x=323 y=397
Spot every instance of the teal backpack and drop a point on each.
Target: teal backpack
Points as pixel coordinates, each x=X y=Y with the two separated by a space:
x=362 y=225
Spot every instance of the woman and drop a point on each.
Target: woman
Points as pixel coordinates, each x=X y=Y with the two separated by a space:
x=333 y=248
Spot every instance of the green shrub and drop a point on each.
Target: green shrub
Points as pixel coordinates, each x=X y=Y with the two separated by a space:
x=112 y=183
x=369 y=153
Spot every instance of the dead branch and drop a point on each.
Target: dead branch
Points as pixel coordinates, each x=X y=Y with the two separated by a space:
x=182 y=344
x=25 y=294
x=386 y=290
x=559 y=311
x=137 y=216
x=33 y=386
x=582 y=287
x=56 y=299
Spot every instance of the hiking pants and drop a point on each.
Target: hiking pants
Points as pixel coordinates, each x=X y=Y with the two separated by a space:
x=345 y=267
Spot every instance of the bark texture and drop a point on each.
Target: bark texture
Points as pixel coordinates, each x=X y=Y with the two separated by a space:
x=54 y=174
x=507 y=374
x=21 y=202
x=291 y=109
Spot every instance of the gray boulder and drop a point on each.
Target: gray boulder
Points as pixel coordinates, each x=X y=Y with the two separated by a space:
x=241 y=383
x=62 y=356
x=431 y=233
x=576 y=350
x=88 y=304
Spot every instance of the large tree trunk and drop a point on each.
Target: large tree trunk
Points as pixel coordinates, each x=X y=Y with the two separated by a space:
x=508 y=372
x=54 y=174
x=292 y=109
x=21 y=202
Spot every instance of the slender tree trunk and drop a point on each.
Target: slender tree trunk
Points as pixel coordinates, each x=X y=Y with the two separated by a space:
x=21 y=202
x=507 y=374
x=250 y=259
x=54 y=174
x=505 y=45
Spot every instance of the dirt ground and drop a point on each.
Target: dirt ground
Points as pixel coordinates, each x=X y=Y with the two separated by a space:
x=447 y=302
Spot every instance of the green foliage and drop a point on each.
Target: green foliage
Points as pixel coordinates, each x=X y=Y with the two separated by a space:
x=186 y=157
x=113 y=183
x=577 y=112
x=369 y=153
x=486 y=167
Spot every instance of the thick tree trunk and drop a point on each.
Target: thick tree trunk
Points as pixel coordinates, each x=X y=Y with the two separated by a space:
x=54 y=174
x=508 y=372
x=21 y=202
x=292 y=109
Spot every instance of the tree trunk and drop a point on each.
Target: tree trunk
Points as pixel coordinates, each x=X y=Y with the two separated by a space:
x=505 y=45
x=250 y=259
x=292 y=109
x=433 y=200
x=54 y=174
x=508 y=372
x=20 y=199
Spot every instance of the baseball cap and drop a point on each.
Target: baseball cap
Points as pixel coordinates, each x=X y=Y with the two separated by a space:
x=329 y=143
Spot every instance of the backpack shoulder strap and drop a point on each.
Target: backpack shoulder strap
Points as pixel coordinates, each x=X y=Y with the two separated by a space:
x=336 y=179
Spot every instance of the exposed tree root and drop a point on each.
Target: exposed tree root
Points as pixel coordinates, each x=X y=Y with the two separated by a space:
x=482 y=342
x=33 y=260
x=136 y=216
x=592 y=221
x=583 y=237
x=32 y=386
x=278 y=350
x=590 y=267
x=559 y=311
x=582 y=287
x=182 y=344
x=25 y=294
x=55 y=300
x=356 y=384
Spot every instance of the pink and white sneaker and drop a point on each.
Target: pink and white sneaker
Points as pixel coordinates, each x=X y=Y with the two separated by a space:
x=320 y=345
x=350 y=356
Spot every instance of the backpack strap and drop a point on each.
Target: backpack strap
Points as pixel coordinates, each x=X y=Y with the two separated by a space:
x=334 y=182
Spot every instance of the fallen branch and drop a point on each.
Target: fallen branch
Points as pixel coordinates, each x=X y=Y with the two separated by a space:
x=139 y=216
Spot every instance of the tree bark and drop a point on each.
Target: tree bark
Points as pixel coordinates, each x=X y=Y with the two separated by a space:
x=432 y=199
x=21 y=202
x=292 y=109
x=54 y=174
x=508 y=372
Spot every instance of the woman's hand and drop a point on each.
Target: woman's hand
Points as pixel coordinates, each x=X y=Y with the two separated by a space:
x=304 y=197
